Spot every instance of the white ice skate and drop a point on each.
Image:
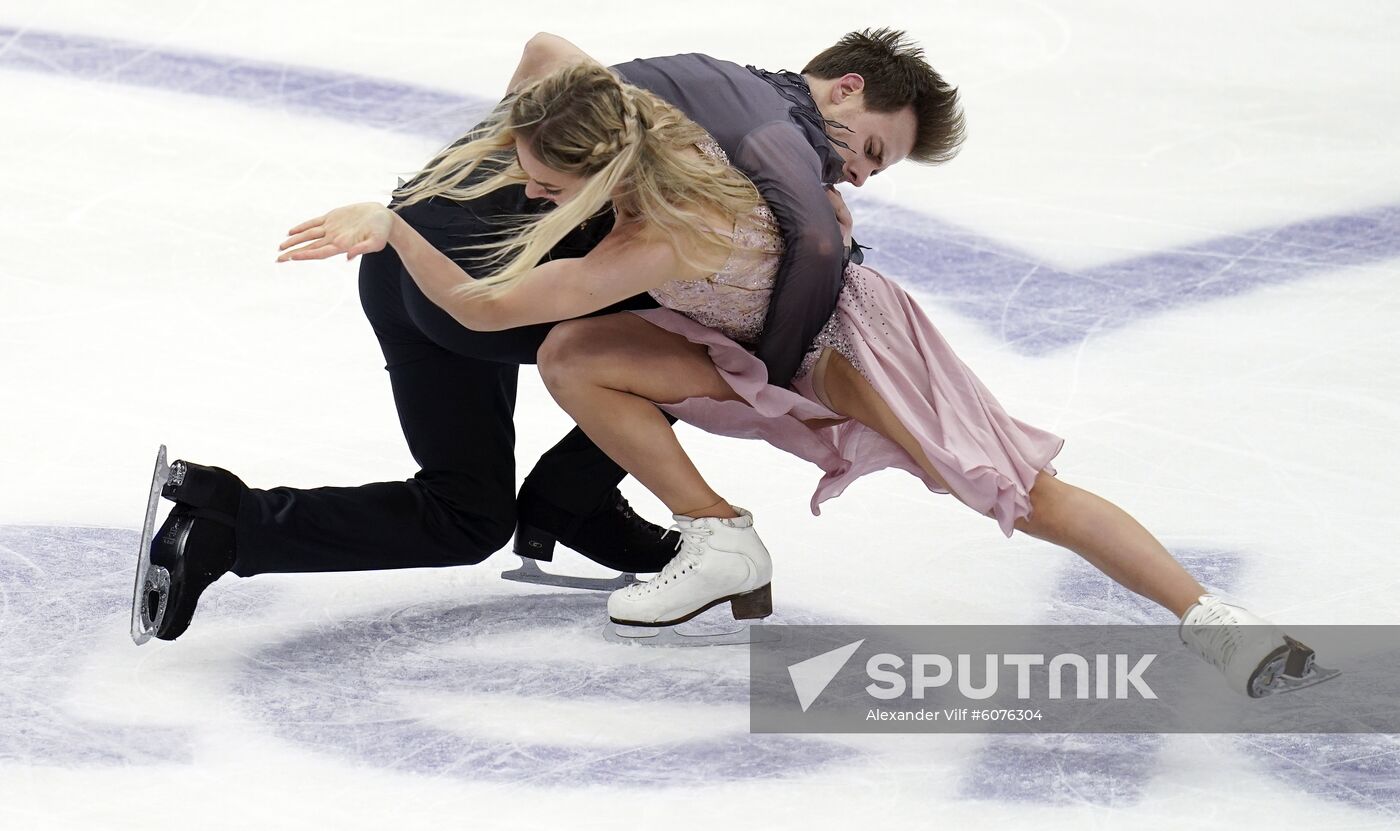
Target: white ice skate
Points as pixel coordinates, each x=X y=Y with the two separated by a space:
x=1255 y=656
x=720 y=560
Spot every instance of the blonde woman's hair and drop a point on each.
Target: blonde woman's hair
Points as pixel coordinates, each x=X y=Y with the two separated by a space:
x=633 y=149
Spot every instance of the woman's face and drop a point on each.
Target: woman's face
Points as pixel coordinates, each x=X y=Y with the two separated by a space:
x=545 y=182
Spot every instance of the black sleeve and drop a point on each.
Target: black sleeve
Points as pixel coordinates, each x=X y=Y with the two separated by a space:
x=782 y=164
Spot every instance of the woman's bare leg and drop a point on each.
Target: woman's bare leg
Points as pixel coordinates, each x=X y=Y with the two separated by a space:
x=1092 y=527
x=607 y=371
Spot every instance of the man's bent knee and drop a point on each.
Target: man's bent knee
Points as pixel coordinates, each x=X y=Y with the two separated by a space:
x=466 y=525
x=472 y=539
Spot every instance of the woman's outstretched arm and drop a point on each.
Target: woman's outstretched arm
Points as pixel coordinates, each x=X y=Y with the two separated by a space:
x=627 y=262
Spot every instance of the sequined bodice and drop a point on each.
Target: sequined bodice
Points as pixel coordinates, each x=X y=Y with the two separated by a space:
x=735 y=299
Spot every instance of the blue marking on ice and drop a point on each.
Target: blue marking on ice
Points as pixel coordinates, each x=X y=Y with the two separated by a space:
x=1036 y=308
x=376 y=666
x=347 y=688
x=1067 y=769
x=1032 y=306
x=357 y=99
x=59 y=589
x=1360 y=770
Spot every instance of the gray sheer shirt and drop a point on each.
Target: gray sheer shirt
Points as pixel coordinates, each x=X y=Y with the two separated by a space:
x=772 y=131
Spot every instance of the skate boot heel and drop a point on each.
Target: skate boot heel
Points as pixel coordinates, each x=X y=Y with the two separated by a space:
x=191 y=551
x=753 y=604
x=1300 y=658
x=534 y=543
x=612 y=535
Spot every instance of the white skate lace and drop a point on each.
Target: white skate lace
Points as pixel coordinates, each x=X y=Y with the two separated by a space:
x=1217 y=634
x=689 y=549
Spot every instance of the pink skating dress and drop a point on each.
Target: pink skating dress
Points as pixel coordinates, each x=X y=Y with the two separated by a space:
x=989 y=458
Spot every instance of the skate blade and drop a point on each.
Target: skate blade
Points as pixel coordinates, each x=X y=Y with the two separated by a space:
x=530 y=572
x=671 y=636
x=1292 y=671
x=1281 y=683
x=152 y=589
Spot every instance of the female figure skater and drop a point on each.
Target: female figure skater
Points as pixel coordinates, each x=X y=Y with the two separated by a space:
x=879 y=388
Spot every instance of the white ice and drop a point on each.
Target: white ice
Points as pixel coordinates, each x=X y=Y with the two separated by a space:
x=141 y=305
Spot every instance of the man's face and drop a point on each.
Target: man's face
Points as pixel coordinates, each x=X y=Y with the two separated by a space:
x=877 y=140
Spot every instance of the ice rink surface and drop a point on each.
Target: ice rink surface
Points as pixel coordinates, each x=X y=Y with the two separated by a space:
x=1173 y=238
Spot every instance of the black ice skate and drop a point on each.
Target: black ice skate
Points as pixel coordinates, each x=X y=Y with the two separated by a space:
x=193 y=548
x=614 y=537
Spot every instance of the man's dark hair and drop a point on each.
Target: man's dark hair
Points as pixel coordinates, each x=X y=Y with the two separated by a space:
x=897 y=76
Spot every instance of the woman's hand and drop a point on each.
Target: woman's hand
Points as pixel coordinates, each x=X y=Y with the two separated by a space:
x=352 y=230
x=843 y=214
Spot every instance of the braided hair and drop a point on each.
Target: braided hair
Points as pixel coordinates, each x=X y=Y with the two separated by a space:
x=632 y=148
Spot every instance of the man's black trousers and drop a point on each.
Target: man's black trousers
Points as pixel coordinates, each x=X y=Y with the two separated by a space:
x=455 y=394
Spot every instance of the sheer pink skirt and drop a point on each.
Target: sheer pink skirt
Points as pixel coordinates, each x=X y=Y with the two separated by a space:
x=987 y=457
